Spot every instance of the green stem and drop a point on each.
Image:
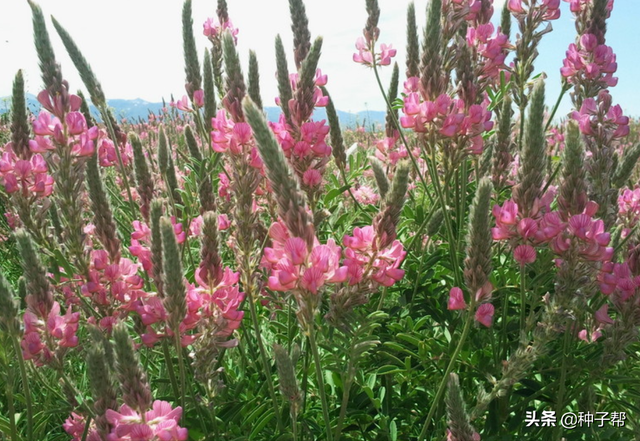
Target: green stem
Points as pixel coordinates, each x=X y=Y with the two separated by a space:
x=346 y=389
x=563 y=376
x=565 y=88
x=263 y=355
x=116 y=142
x=397 y=124
x=346 y=183
x=85 y=432
x=183 y=379
x=520 y=135
x=323 y=395
x=172 y=373
x=523 y=296
x=25 y=386
x=447 y=221
x=10 y=406
x=443 y=383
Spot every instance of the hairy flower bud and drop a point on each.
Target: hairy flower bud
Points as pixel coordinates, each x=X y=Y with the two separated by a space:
x=133 y=381
x=477 y=265
x=300 y=28
x=175 y=293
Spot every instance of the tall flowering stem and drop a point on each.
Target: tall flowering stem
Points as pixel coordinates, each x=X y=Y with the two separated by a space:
x=477 y=224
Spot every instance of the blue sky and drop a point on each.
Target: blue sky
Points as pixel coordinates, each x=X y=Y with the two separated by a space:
x=135 y=47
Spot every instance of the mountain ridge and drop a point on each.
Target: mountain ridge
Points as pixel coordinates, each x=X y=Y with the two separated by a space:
x=134 y=109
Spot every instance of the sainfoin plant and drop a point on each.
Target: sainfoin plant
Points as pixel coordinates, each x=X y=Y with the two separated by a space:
x=469 y=271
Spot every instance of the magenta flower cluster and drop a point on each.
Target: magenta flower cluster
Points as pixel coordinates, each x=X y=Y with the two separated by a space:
x=492 y=49
x=590 y=62
x=449 y=118
x=581 y=232
x=294 y=267
x=46 y=332
x=544 y=9
x=28 y=177
x=597 y=118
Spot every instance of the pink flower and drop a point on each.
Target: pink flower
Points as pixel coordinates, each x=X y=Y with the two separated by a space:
x=160 y=423
x=484 y=314
x=198 y=98
x=183 y=104
x=312 y=177
x=223 y=222
x=602 y=315
x=524 y=254
x=386 y=53
x=365 y=195
x=456 y=299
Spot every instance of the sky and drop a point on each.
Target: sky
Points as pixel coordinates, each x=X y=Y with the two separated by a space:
x=135 y=46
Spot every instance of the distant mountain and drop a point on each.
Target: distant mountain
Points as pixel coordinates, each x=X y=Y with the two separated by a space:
x=138 y=108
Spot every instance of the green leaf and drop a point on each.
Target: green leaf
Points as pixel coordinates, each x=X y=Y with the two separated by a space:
x=388 y=369
x=393 y=430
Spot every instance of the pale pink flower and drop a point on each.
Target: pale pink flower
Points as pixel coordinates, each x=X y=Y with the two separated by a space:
x=524 y=254
x=484 y=314
x=456 y=299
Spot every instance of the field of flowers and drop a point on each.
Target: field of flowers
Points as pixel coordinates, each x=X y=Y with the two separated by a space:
x=469 y=271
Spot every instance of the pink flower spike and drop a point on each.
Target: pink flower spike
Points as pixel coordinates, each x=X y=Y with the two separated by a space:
x=456 y=299
x=484 y=314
